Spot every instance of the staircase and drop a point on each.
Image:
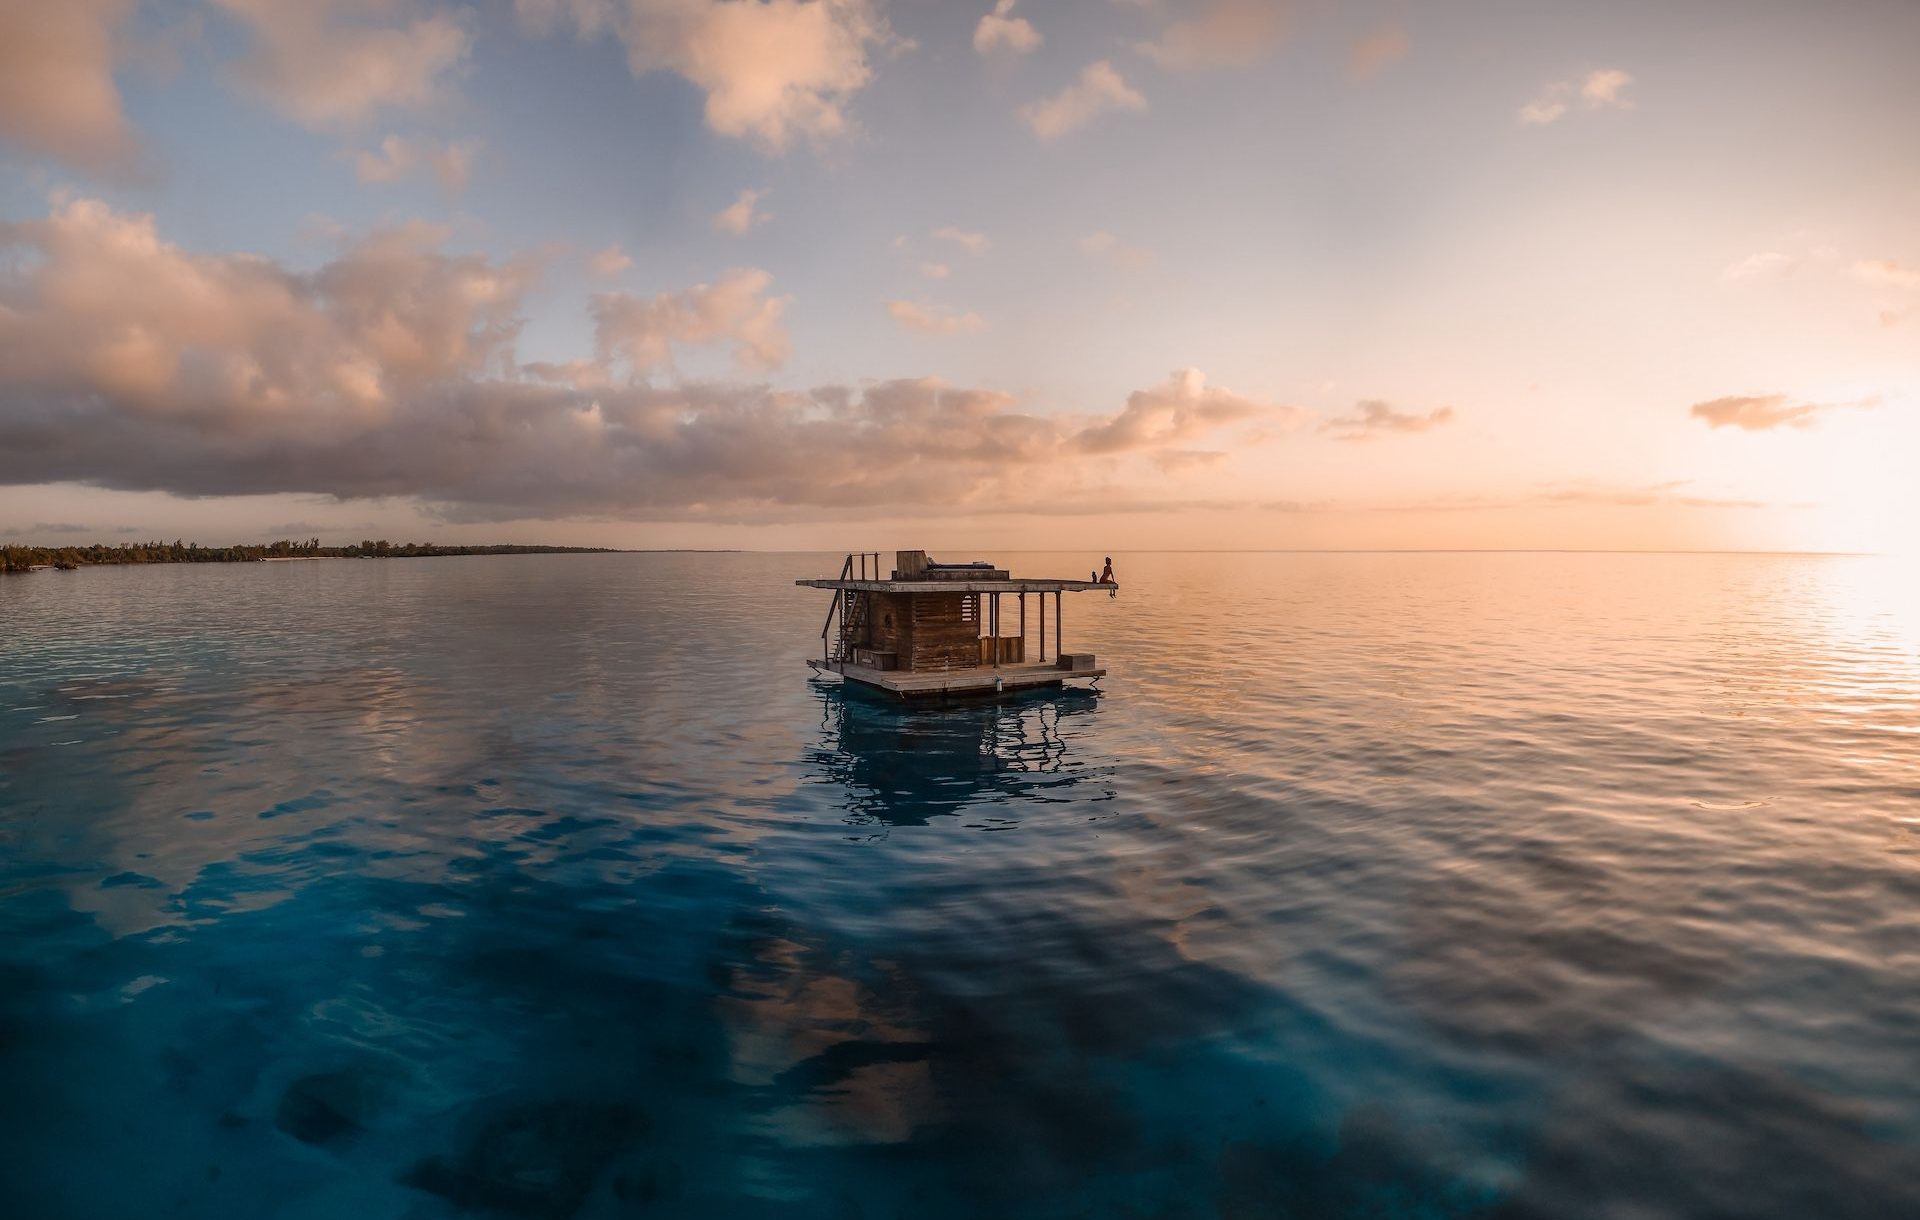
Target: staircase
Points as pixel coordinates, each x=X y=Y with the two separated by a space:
x=849 y=607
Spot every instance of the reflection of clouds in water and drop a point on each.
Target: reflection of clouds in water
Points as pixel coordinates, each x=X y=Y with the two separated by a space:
x=537 y=896
x=901 y=765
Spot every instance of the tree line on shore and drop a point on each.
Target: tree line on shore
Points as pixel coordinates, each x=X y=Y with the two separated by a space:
x=26 y=558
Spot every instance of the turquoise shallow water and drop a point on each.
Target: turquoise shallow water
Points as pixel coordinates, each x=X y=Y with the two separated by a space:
x=1432 y=886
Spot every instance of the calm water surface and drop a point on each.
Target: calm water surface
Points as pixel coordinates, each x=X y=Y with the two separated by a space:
x=1370 y=886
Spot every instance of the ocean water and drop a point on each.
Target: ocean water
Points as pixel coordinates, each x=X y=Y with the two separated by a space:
x=1423 y=886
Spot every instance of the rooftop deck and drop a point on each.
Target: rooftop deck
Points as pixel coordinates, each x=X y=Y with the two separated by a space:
x=958 y=586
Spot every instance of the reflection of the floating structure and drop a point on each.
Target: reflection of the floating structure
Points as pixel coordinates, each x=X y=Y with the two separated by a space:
x=901 y=766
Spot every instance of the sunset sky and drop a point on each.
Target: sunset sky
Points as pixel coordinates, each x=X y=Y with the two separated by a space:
x=1048 y=273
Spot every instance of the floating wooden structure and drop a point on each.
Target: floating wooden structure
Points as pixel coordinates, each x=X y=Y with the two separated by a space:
x=939 y=630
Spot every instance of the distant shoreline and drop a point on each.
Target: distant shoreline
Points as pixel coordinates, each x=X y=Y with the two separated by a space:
x=24 y=558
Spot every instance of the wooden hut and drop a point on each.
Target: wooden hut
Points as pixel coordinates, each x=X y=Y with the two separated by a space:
x=938 y=630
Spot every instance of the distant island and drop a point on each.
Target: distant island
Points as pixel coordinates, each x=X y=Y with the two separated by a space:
x=30 y=558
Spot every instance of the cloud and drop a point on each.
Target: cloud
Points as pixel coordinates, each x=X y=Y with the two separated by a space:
x=1371 y=418
x=101 y=305
x=1564 y=494
x=1100 y=90
x=1543 y=110
x=973 y=243
x=739 y=216
x=397 y=157
x=1222 y=34
x=1000 y=31
x=1886 y=273
x=1603 y=88
x=1761 y=412
x=57 y=94
x=388 y=372
x=771 y=70
x=1182 y=407
x=139 y=366
x=452 y=165
x=325 y=63
x=609 y=262
x=1379 y=50
x=935 y=271
x=1764 y=265
x=934 y=319
x=735 y=308
x=1599 y=89
x=1177 y=461
x=1110 y=249
x=58 y=527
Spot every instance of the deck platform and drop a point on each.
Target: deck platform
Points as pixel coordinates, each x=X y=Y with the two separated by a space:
x=985 y=680
x=1015 y=585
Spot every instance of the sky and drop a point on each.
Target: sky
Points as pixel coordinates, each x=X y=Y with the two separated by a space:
x=864 y=274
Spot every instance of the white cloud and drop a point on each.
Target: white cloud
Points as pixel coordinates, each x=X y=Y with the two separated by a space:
x=771 y=69
x=323 y=64
x=1371 y=418
x=57 y=94
x=1763 y=412
x=1001 y=31
x=396 y=157
x=933 y=319
x=1604 y=86
x=1542 y=110
x=935 y=271
x=1600 y=89
x=609 y=262
x=1221 y=34
x=1886 y=273
x=108 y=308
x=392 y=161
x=1110 y=249
x=1177 y=410
x=1100 y=90
x=736 y=308
x=966 y=239
x=739 y=216
x=452 y=165
x=1763 y=265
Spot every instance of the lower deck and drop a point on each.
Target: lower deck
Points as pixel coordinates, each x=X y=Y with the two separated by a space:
x=956 y=683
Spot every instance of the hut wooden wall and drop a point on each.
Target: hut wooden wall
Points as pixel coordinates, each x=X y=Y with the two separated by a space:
x=887 y=622
x=942 y=632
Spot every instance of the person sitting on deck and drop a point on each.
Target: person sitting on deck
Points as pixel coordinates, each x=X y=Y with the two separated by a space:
x=1106 y=573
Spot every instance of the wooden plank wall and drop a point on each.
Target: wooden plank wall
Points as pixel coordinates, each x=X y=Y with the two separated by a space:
x=887 y=622
x=943 y=632
x=1013 y=650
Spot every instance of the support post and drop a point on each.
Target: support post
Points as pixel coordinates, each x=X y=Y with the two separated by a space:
x=1059 y=626
x=995 y=628
x=1023 y=627
x=1043 y=628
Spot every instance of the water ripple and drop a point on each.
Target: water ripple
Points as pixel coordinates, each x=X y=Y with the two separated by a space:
x=1487 y=886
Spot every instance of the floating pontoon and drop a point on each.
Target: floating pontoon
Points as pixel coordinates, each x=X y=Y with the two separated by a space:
x=935 y=630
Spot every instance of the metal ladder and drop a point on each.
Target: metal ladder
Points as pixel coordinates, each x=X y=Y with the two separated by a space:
x=849 y=607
